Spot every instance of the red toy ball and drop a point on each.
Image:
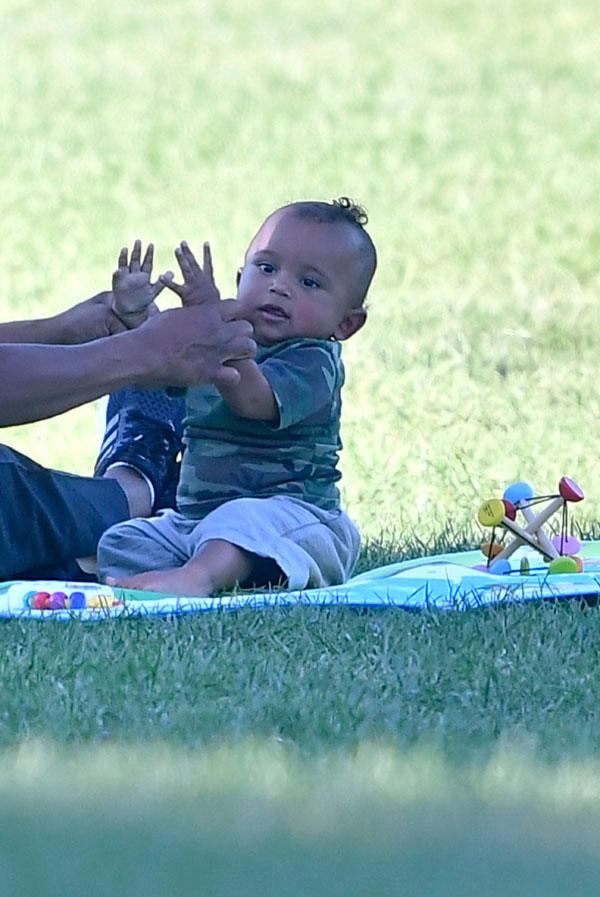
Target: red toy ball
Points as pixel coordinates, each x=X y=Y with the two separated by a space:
x=510 y=509
x=41 y=601
x=569 y=490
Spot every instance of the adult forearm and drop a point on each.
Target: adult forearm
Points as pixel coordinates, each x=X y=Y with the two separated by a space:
x=41 y=381
x=85 y=322
x=44 y=330
x=179 y=347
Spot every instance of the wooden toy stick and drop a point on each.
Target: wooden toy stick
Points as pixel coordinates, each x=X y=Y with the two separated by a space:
x=550 y=509
x=536 y=521
x=531 y=534
x=522 y=537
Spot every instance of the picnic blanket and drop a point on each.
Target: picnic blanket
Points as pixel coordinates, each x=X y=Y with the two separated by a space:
x=445 y=582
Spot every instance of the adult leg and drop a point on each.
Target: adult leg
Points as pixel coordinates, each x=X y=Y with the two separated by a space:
x=143 y=433
x=48 y=517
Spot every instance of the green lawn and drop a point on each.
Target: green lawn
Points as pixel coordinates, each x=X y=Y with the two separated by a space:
x=304 y=752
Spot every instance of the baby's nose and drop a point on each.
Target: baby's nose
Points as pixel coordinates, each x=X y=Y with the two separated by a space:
x=280 y=285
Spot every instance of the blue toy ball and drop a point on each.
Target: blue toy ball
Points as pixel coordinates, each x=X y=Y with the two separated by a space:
x=500 y=567
x=518 y=492
x=77 y=600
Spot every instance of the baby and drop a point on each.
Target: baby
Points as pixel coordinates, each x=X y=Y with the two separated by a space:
x=257 y=498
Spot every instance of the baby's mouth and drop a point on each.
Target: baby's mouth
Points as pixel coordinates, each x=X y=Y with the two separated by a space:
x=273 y=311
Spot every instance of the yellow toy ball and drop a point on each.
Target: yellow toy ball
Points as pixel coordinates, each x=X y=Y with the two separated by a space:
x=100 y=600
x=491 y=512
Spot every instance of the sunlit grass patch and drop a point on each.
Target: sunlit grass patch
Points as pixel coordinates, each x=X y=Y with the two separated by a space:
x=468 y=132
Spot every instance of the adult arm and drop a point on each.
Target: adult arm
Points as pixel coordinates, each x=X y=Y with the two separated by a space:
x=88 y=320
x=40 y=381
x=180 y=347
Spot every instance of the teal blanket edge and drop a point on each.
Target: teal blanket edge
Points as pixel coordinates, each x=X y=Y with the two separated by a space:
x=444 y=582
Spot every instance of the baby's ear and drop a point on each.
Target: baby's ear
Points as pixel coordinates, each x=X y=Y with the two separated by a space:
x=351 y=324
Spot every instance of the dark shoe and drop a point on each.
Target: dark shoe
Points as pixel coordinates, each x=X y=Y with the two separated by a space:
x=144 y=429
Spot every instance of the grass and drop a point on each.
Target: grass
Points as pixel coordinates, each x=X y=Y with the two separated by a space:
x=322 y=752
x=315 y=680
x=470 y=137
x=325 y=752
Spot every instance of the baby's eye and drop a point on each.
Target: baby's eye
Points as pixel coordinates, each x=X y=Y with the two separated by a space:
x=311 y=283
x=265 y=267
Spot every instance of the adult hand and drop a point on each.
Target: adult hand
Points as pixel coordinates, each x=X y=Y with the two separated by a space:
x=191 y=346
x=88 y=320
x=133 y=291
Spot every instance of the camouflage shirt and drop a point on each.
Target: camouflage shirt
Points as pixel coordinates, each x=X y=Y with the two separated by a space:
x=227 y=456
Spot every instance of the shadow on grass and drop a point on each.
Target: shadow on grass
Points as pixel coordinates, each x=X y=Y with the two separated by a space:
x=103 y=823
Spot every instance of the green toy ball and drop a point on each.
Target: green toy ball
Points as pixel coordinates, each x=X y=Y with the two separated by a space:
x=563 y=565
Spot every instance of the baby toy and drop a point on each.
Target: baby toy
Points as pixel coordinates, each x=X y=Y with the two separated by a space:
x=80 y=597
x=559 y=550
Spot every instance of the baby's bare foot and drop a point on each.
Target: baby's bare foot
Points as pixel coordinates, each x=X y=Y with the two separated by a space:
x=176 y=581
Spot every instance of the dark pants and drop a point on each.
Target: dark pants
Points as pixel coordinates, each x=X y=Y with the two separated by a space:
x=49 y=518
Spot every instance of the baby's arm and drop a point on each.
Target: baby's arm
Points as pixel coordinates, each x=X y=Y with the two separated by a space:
x=252 y=397
x=133 y=293
x=292 y=385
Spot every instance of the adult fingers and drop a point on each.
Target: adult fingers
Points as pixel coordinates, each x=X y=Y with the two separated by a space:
x=228 y=309
x=136 y=254
x=240 y=328
x=116 y=325
x=148 y=259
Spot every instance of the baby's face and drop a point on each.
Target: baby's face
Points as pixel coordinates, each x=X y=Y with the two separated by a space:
x=298 y=280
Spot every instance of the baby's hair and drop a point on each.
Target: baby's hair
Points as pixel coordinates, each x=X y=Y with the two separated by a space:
x=344 y=211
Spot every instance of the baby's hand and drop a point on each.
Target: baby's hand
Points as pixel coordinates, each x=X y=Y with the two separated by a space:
x=133 y=293
x=198 y=287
